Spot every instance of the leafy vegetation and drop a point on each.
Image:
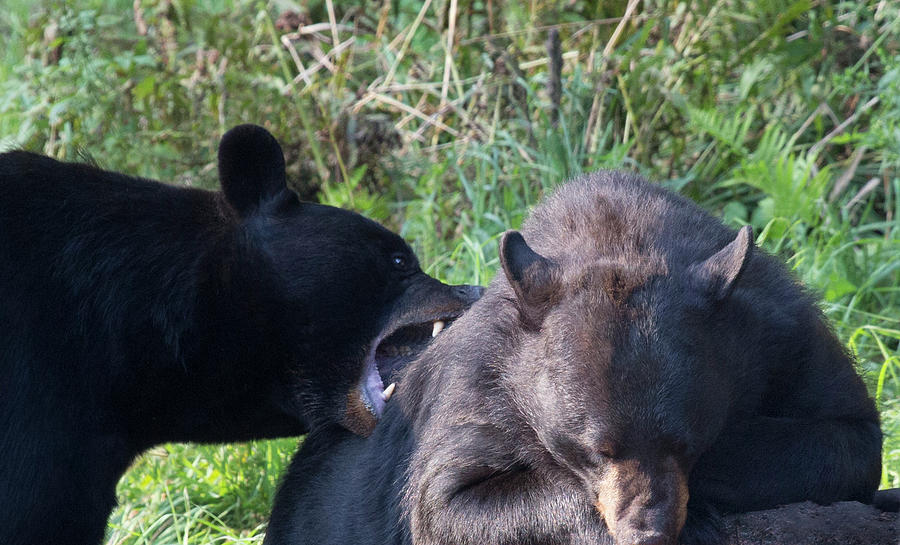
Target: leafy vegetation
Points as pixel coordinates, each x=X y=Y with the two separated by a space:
x=447 y=119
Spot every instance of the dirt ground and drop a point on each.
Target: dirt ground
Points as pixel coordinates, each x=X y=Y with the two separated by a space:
x=844 y=523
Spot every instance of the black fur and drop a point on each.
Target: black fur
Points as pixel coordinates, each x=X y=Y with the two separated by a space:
x=134 y=313
x=635 y=350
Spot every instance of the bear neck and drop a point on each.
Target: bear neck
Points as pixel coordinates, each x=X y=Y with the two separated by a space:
x=210 y=375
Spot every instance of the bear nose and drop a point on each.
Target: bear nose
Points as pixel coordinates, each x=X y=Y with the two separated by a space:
x=469 y=293
x=644 y=538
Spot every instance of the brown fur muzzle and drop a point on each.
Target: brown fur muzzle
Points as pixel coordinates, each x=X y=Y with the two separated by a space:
x=643 y=502
x=358 y=418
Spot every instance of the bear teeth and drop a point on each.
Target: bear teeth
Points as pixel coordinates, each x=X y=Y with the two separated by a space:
x=438 y=327
x=388 y=392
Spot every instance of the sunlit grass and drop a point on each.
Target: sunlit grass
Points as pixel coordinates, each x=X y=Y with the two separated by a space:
x=200 y=494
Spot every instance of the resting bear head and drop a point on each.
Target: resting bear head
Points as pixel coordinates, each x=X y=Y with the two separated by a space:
x=348 y=295
x=621 y=396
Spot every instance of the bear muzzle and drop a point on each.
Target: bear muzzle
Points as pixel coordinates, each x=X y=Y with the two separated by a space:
x=642 y=502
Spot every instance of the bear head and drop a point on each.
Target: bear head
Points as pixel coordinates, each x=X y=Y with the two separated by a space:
x=340 y=298
x=614 y=379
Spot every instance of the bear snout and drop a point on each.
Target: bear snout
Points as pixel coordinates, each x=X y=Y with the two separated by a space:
x=644 y=538
x=643 y=502
x=468 y=293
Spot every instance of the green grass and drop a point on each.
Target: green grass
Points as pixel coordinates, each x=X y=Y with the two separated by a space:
x=188 y=494
x=785 y=116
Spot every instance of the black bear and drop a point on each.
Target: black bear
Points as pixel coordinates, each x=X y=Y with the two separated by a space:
x=134 y=313
x=637 y=369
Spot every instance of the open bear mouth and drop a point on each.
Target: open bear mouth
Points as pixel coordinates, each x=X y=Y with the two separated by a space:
x=404 y=344
x=390 y=353
x=419 y=315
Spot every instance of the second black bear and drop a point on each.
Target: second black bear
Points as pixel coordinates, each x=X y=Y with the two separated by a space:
x=637 y=368
x=134 y=313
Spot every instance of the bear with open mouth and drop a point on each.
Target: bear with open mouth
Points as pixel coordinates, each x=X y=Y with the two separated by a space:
x=135 y=313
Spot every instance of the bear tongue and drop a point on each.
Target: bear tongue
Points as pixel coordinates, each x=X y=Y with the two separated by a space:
x=372 y=390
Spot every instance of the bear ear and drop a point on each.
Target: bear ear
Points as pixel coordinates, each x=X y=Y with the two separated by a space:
x=718 y=274
x=531 y=276
x=251 y=167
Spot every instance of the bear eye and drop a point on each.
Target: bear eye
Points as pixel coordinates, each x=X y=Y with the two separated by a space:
x=605 y=450
x=400 y=261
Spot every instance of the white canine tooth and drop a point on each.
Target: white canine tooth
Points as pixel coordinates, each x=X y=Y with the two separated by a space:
x=388 y=392
x=438 y=327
